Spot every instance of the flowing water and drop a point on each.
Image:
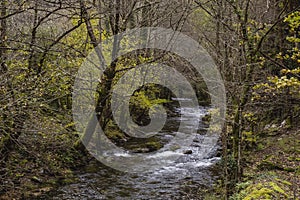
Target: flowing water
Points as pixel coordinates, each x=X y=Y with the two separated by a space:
x=190 y=177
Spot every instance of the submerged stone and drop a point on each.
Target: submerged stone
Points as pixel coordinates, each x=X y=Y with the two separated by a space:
x=188 y=152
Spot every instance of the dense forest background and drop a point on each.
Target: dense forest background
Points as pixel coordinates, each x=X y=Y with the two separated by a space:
x=255 y=44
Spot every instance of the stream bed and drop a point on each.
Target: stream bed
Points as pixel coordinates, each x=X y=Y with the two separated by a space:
x=189 y=177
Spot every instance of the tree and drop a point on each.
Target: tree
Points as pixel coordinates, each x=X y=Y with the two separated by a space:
x=124 y=15
x=236 y=33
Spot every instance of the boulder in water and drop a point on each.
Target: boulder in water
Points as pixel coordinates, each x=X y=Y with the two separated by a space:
x=188 y=152
x=196 y=140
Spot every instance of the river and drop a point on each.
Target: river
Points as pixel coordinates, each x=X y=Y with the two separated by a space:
x=190 y=177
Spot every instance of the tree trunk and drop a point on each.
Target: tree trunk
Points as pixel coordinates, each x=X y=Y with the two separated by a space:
x=109 y=73
x=32 y=62
x=3 y=35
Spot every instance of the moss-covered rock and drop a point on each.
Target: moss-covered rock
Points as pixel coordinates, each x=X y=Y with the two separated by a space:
x=262 y=190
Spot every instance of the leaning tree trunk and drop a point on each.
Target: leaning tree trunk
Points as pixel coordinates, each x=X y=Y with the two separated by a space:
x=109 y=73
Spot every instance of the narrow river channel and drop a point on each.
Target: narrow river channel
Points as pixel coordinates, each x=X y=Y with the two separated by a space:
x=190 y=177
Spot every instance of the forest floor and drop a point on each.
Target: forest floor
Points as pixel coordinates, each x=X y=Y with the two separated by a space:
x=272 y=169
x=42 y=159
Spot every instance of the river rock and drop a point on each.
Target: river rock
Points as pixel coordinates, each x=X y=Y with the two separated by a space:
x=188 y=152
x=196 y=140
x=141 y=150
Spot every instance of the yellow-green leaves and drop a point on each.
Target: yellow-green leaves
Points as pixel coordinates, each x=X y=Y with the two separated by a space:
x=288 y=82
x=293 y=21
x=142 y=100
